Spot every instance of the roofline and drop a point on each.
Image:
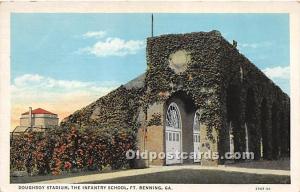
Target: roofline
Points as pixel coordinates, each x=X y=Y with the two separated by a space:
x=47 y=112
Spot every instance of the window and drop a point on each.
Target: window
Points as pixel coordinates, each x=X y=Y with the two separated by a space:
x=196 y=125
x=173 y=117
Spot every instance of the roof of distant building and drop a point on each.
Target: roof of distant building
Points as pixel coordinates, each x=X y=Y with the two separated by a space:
x=20 y=129
x=39 y=111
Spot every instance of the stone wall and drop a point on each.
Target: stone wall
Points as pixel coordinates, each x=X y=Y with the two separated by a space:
x=221 y=82
x=243 y=81
x=200 y=80
x=43 y=121
x=219 y=79
x=187 y=63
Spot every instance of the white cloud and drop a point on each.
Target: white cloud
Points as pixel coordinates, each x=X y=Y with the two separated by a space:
x=34 y=81
x=59 y=96
x=278 y=72
x=29 y=84
x=255 y=45
x=114 y=47
x=94 y=34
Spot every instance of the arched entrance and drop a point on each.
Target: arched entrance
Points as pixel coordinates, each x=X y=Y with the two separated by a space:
x=264 y=145
x=173 y=134
x=196 y=137
x=275 y=136
x=179 y=118
x=252 y=136
x=233 y=134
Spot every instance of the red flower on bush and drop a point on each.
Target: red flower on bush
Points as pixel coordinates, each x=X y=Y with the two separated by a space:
x=67 y=165
x=90 y=161
x=56 y=149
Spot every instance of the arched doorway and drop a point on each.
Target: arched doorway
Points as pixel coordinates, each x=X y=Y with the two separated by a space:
x=264 y=140
x=252 y=136
x=233 y=136
x=282 y=135
x=179 y=118
x=196 y=137
x=173 y=134
x=275 y=136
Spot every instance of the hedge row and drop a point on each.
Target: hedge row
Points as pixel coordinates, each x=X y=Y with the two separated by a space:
x=68 y=149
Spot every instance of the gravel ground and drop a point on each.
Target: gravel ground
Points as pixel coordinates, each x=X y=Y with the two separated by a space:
x=283 y=164
x=247 y=172
x=189 y=176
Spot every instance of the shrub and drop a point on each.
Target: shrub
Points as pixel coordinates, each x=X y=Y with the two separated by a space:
x=68 y=149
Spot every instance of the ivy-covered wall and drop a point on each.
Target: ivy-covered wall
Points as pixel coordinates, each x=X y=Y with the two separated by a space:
x=249 y=86
x=226 y=87
x=222 y=83
x=116 y=110
x=200 y=80
x=188 y=64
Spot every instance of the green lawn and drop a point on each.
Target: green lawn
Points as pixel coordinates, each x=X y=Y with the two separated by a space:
x=189 y=176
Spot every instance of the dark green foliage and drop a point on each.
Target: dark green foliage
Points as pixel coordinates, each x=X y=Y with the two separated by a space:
x=155 y=120
x=215 y=66
x=67 y=149
x=201 y=80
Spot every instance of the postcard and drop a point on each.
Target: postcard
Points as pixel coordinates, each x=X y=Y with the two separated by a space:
x=150 y=96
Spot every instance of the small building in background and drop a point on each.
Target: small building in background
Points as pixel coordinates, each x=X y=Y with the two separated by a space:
x=36 y=120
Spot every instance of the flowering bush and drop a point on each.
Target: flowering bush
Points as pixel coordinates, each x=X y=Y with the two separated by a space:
x=67 y=149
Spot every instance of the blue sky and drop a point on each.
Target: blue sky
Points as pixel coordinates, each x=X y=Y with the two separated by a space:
x=102 y=51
